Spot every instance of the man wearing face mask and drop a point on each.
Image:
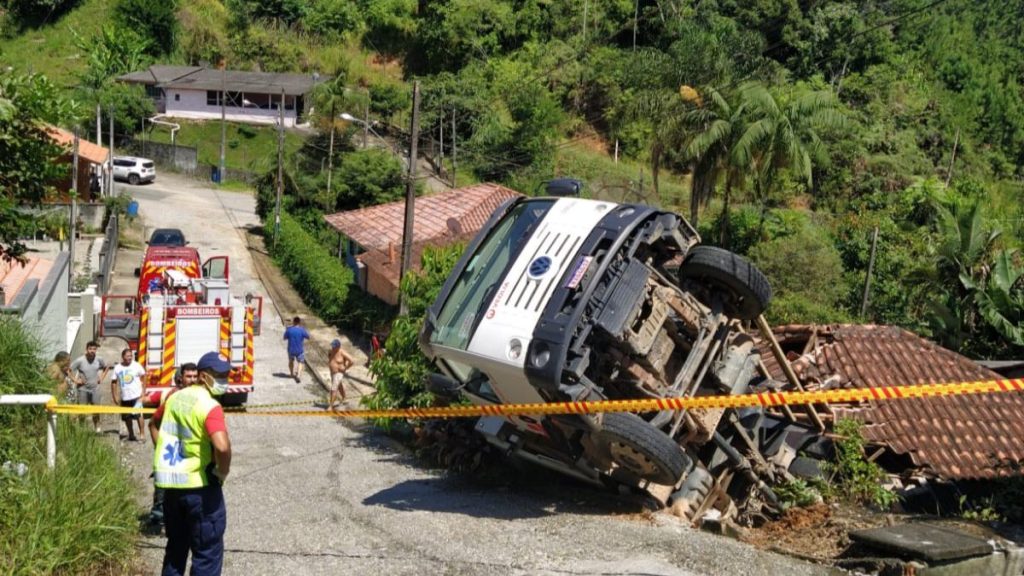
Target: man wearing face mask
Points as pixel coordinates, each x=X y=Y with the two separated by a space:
x=191 y=462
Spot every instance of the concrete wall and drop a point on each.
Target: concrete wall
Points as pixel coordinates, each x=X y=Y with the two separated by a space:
x=42 y=307
x=191 y=104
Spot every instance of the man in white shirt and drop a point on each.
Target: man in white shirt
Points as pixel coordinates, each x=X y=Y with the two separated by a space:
x=126 y=388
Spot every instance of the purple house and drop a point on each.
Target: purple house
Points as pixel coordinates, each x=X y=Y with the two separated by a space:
x=198 y=93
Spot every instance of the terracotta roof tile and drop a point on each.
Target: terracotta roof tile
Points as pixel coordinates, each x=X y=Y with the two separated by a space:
x=467 y=209
x=955 y=437
x=92 y=152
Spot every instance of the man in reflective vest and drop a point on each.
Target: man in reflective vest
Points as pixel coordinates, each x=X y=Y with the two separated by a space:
x=191 y=462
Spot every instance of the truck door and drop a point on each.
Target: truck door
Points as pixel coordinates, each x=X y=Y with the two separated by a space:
x=216 y=268
x=119 y=317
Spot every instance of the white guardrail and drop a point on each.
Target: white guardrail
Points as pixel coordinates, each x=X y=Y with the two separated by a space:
x=51 y=419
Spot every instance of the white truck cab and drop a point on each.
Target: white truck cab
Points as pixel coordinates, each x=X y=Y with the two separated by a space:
x=570 y=299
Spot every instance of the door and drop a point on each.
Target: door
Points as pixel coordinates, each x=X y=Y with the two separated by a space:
x=216 y=268
x=256 y=303
x=119 y=317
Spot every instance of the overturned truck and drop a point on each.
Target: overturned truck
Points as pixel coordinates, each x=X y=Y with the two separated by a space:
x=573 y=300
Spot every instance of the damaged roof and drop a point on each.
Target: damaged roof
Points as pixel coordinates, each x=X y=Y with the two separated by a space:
x=968 y=437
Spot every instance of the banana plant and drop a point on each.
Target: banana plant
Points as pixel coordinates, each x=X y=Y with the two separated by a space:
x=1001 y=300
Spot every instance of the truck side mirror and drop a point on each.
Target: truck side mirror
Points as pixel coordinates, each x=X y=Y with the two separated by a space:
x=443 y=386
x=138 y=272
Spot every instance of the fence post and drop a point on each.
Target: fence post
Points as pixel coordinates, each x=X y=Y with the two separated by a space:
x=51 y=440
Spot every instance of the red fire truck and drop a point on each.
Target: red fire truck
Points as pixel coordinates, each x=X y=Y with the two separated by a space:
x=181 y=311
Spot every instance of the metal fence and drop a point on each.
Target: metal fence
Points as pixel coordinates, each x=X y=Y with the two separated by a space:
x=108 y=254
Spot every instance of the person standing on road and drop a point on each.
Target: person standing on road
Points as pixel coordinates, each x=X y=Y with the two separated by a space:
x=296 y=334
x=186 y=376
x=191 y=461
x=87 y=372
x=126 y=389
x=338 y=363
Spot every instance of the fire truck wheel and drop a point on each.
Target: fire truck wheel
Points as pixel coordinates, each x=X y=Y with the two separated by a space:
x=237 y=399
x=746 y=288
x=642 y=449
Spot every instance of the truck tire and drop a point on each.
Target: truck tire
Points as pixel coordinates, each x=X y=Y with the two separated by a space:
x=235 y=399
x=717 y=269
x=685 y=501
x=642 y=449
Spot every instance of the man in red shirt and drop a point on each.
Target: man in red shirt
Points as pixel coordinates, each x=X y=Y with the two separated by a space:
x=191 y=462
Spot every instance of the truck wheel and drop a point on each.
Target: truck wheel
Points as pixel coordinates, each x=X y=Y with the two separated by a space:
x=235 y=399
x=747 y=288
x=133 y=179
x=642 y=449
x=685 y=501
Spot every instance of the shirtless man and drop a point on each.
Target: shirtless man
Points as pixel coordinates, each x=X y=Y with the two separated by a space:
x=338 y=362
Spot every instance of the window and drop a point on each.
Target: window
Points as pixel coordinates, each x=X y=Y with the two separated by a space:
x=212 y=98
x=477 y=283
x=177 y=97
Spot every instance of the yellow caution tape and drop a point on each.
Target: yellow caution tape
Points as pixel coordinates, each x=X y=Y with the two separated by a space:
x=763 y=399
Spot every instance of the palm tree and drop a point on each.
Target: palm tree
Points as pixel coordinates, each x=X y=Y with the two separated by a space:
x=332 y=95
x=714 y=144
x=785 y=137
x=663 y=111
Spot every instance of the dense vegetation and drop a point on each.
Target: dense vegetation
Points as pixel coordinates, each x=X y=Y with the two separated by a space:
x=88 y=522
x=788 y=130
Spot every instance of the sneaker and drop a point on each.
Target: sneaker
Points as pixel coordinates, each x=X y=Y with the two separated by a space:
x=133 y=439
x=99 y=430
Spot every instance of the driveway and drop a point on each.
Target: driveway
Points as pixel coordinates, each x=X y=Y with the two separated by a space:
x=326 y=496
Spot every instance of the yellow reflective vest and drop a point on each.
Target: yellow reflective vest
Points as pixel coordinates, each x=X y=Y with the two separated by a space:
x=183 y=449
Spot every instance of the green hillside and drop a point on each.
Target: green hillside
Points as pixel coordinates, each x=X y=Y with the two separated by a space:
x=778 y=126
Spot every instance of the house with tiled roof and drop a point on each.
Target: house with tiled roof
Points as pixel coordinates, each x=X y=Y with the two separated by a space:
x=965 y=437
x=91 y=158
x=372 y=236
x=200 y=93
x=36 y=292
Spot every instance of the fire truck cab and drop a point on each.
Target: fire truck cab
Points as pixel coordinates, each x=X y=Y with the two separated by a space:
x=181 y=311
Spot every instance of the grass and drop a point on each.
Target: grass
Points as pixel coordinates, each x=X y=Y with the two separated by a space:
x=620 y=182
x=50 y=49
x=249 y=148
x=78 y=518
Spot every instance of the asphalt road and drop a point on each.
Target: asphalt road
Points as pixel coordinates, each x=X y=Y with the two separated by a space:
x=324 y=496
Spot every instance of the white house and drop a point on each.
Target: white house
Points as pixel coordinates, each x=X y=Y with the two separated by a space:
x=193 y=92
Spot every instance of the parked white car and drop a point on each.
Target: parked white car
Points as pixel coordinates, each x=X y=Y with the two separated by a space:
x=134 y=170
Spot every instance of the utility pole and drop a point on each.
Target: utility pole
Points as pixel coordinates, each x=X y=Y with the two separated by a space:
x=74 y=209
x=616 y=150
x=280 y=167
x=455 y=166
x=867 y=278
x=99 y=125
x=110 y=182
x=223 y=125
x=410 y=194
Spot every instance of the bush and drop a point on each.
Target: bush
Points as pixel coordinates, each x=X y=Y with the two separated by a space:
x=78 y=518
x=316 y=274
x=806 y=275
x=400 y=372
x=155 y=20
x=851 y=474
x=333 y=18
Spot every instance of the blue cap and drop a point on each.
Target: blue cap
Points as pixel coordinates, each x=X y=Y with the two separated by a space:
x=214 y=362
x=335 y=343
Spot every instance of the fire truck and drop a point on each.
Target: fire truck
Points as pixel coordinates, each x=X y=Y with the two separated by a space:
x=181 y=311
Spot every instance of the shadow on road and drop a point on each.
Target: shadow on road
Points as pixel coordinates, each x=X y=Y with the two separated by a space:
x=441 y=495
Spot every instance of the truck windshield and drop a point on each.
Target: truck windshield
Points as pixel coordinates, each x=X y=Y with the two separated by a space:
x=482 y=276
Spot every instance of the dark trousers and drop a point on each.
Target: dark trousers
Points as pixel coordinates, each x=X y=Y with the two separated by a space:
x=195 y=520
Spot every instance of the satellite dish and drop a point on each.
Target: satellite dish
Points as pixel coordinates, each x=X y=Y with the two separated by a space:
x=454 y=226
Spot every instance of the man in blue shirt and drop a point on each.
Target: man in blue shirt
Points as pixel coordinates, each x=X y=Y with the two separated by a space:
x=295 y=335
